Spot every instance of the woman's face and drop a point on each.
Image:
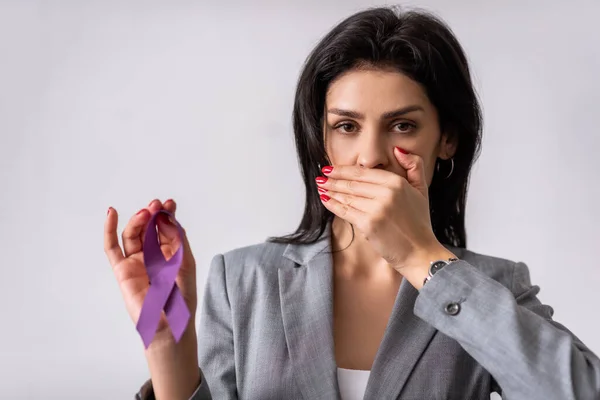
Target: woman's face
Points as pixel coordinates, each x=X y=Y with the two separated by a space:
x=368 y=112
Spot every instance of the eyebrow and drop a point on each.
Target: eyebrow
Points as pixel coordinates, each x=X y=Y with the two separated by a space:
x=388 y=115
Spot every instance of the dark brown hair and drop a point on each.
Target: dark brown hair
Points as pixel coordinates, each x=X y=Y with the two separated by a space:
x=421 y=46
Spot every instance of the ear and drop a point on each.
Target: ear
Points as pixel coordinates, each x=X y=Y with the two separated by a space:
x=448 y=146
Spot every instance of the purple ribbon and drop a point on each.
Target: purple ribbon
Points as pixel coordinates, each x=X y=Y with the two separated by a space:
x=163 y=293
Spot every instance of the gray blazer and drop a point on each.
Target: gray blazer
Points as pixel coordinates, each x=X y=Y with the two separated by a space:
x=266 y=332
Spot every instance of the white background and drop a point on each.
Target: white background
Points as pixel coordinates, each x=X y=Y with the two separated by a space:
x=114 y=103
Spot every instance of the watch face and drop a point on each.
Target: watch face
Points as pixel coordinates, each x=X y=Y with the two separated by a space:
x=436 y=266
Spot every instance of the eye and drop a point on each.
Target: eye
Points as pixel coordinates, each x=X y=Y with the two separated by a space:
x=405 y=127
x=345 y=127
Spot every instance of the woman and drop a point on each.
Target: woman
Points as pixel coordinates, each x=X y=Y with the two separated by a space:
x=375 y=295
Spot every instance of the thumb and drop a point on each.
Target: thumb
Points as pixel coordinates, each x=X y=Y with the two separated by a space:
x=415 y=171
x=170 y=237
x=167 y=229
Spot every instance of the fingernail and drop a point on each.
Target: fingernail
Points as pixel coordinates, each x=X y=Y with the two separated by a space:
x=327 y=169
x=141 y=211
x=170 y=200
x=108 y=212
x=152 y=202
x=401 y=150
x=321 y=180
x=324 y=197
x=321 y=190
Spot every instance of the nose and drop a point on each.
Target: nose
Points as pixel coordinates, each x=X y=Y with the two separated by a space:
x=373 y=151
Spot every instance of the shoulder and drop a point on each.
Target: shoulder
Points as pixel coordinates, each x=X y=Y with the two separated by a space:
x=258 y=254
x=263 y=257
x=247 y=274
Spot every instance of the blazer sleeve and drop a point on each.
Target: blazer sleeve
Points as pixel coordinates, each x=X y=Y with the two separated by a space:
x=215 y=341
x=510 y=333
x=215 y=336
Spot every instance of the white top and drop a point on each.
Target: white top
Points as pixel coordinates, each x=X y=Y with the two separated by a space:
x=352 y=383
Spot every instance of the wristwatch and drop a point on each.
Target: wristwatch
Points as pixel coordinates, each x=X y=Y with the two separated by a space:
x=435 y=266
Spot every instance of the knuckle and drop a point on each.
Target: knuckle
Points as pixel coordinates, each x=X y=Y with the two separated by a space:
x=388 y=196
x=343 y=210
x=401 y=183
x=347 y=201
x=357 y=172
x=126 y=233
x=397 y=182
x=380 y=216
x=368 y=226
x=388 y=199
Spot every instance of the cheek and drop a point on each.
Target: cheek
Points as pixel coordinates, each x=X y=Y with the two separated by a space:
x=340 y=151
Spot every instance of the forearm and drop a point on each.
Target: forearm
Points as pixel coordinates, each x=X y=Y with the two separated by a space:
x=174 y=366
x=514 y=339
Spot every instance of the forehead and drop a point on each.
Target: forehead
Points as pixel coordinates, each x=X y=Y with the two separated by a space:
x=374 y=89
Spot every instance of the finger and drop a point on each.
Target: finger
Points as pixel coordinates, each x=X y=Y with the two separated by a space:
x=187 y=250
x=356 y=173
x=152 y=207
x=363 y=204
x=170 y=206
x=357 y=188
x=170 y=239
x=133 y=232
x=188 y=256
x=136 y=236
x=166 y=230
x=415 y=170
x=111 y=240
x=343 y=211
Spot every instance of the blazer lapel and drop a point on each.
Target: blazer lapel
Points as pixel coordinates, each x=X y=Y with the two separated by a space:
x=405 y=339
x=306 y=293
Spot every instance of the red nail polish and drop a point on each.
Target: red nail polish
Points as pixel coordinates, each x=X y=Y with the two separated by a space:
x=108 y=212
x=324 y=197
x=327 y=169
x=321 y=180
x=401 y=150
x=141 y=211
x=152 y=202
x=322 y=190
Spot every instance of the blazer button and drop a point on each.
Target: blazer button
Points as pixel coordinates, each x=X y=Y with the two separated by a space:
x=452 y=308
